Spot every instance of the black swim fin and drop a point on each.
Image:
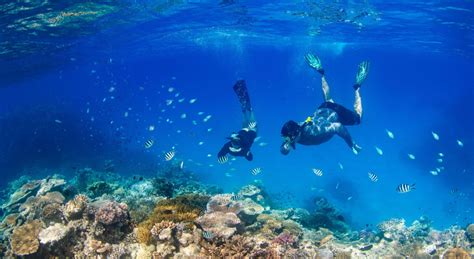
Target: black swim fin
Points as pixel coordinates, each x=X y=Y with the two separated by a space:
x=240 y=89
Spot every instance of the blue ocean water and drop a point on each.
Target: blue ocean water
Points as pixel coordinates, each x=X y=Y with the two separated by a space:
x=82 y=82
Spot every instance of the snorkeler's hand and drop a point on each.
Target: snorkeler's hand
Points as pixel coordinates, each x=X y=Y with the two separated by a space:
x=362 y=73
x=315 y=62
x=222 y=159
x=356 y=149
x=285 y=148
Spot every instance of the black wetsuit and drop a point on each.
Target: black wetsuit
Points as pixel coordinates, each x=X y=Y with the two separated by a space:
x=328 y=120
x=246 y=139
x=240 y=145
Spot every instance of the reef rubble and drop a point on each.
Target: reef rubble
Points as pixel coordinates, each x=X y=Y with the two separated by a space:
x=102 y=215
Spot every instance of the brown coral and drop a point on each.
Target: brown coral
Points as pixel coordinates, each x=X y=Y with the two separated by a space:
x=456 y=253
x=10 y=220
x=24 y=240
x=74 y=208
x=183 y=209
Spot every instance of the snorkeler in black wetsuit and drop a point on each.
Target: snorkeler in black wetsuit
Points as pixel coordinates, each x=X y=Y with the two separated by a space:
x=329 y=119
x=240 y=143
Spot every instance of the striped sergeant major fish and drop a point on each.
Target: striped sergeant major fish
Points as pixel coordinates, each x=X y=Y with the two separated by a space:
x=236 y=197
x=404 y=188
x=149 y=143
x=256 y=171
x=373 y=177
x=170 y=155
x=208 y=235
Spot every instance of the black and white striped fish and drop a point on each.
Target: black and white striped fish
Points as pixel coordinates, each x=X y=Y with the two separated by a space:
x=404 y=188
x=207 y=235
x=149 y=143
x=236 y=197
x=170 y=155
x=373 y=177
x=256 y=171
x=317 y=172
x=222 y=159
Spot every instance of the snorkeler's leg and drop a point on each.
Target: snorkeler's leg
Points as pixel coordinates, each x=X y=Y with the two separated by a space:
x=315 y=62
x=249 y=120
x=342 y=132
x=325 y=87
x=358 y=103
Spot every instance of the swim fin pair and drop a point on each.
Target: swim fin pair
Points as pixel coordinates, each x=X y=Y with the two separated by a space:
x=240 y=89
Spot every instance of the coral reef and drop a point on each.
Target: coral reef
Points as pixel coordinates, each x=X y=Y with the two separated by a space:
x=102 y=215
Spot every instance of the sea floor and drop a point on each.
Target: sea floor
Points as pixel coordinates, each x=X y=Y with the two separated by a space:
x=101 y=214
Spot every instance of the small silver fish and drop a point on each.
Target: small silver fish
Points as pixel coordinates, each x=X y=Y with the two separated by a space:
x=441 y=154
x=170 y=155
x=433 y=172
x=379 y=151
x=208 y=117
x=192 y=100
x=169 y=102
x=317 y=172
x=256 y=171
x=373 y=177
x=183 y=116
x=411 y=156
x=151 y=128
x=263 y=144
x=435 y=135
x=149 y=143
x=181 y=165
x=405 y=188
x=58 y=121
x=460 y=143
x=390 y=134
x=341 y=166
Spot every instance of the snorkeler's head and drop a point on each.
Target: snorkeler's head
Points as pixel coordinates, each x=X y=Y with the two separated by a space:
x=290 y=132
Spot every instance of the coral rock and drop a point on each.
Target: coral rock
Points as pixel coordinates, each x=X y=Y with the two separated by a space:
x=50 y=185
x=470 y=232
x=456 y=253
x=250 y=191
x=250 y=210
x=112 y=212
x=163 y=230
x=24 y=240
x=220 y=224
x=53 y=234
x=223 y=203
x=27 y=190
x=74 y=208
